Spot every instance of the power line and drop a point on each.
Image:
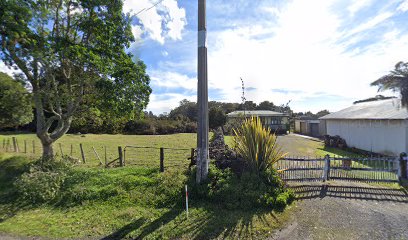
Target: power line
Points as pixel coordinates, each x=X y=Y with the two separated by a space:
x=147 y=9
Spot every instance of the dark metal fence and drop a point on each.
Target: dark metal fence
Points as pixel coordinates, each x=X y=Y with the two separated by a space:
x=296 y=169
x=368 y=169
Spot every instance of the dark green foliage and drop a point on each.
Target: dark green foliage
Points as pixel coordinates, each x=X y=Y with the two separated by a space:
x=141 y=127
x=247 y=191
x=217 y=117
x=15 y=103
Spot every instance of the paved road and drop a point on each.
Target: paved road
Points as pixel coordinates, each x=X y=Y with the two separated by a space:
x=346 y=210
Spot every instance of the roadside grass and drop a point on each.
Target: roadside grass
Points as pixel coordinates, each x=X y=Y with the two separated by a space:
x=129 y=202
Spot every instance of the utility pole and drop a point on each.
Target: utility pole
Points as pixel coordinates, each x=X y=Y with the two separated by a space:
x=202 y=136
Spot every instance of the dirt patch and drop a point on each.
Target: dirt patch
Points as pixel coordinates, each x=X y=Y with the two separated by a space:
x=347 y=210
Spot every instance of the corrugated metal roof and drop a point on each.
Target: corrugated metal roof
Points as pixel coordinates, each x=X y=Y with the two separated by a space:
x=257 y=113
x=382 y=109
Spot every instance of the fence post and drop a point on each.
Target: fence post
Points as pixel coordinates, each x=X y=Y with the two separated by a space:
x=402 y=167
x=120 y=156
x=33 y=147
x=14 y=144
x=25 y=146
x=161 y=159
x=326 y=171
x=60 y=147
x=72 y=150
x=4 y=143
x=82 y=153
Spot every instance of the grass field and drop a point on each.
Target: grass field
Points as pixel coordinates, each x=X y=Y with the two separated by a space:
x=134 y=156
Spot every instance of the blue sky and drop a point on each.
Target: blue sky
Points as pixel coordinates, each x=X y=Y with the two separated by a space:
x=320 y=54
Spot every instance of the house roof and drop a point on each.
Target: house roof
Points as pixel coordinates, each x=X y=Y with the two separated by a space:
x=257 y=113
x=383 y=109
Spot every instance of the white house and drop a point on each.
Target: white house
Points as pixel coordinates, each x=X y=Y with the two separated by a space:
x=378 y=126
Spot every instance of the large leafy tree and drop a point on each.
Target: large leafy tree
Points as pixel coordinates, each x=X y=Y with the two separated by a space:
x=71 y=52
x=15 y=103
x=397 y=81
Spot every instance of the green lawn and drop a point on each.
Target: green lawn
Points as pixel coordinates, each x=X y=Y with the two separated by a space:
x=133 y=202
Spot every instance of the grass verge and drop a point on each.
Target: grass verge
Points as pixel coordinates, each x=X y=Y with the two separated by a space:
x=128 y=202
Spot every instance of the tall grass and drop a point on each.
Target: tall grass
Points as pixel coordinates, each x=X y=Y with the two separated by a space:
x=257 y=145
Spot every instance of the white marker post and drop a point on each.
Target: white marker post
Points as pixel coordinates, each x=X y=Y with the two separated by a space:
x=187 y=201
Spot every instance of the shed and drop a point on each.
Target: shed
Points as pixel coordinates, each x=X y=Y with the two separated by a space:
x=311 y=127
x=378 y=126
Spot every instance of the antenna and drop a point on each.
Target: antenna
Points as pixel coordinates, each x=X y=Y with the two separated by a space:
x=243 y=99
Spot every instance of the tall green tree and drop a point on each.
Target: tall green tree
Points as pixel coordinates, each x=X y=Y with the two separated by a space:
x=15 y=103
x=71 y=51
x=397 y=81
x=217 y=117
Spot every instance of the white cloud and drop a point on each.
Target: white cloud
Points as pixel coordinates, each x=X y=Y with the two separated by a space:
x=172 y=80
x=160 y=103
x=358 y=5
x=165 y=20
x=403 y=6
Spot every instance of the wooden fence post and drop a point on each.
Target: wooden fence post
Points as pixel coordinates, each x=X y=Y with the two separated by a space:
x=161 y=159
x=97 y=155
x=120 y=156
x=326 y=171
x=25 y=146
x=60 y=147
x=72 y=150
x=4 y=143
x=82 y=153
x=33 y=147
x=14 y=144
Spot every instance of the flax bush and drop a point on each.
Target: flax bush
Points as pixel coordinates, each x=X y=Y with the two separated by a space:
x=257 y=145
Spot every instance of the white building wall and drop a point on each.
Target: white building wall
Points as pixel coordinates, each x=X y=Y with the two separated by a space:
x=380 y=136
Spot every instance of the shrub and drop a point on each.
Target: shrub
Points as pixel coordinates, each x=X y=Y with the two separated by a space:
x=245 y=192
x=257 y=145
x=141 y=127
x=42 y=182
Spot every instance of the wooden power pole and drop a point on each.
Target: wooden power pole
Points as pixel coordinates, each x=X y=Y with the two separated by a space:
x=202 y=92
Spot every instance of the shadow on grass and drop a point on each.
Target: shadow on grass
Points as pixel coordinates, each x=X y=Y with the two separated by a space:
x=214 y=222
x=10 y=169
x=351 y=192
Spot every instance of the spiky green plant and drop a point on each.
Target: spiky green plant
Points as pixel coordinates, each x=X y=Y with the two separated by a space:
x=257 y=145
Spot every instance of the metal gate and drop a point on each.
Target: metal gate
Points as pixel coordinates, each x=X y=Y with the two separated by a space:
x=368 y=169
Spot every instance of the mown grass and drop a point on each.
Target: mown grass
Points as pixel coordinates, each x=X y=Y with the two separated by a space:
x=130 y=202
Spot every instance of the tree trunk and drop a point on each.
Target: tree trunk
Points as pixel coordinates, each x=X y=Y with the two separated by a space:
x=48 y=151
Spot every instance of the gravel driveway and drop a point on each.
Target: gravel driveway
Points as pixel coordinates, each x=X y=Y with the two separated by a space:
x=347 y=210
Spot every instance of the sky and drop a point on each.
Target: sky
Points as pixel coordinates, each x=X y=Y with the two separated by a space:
x=320 y=54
